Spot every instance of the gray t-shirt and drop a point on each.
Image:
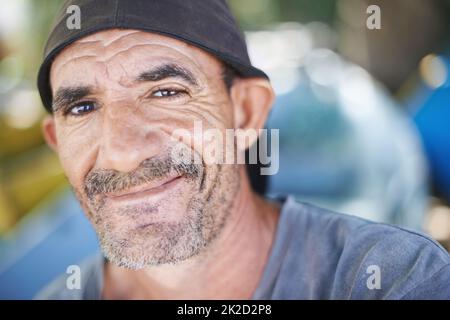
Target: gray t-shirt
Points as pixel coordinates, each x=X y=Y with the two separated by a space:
x=319 y=254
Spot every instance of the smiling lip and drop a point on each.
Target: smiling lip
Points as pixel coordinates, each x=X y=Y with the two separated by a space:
x=146 y=190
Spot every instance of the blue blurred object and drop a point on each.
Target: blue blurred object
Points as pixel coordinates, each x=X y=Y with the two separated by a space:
x=346 y=145
x=431 y=106
x=51 y=239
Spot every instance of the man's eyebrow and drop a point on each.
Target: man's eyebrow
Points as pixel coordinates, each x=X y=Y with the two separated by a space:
x=167 y=71
x=68 y=95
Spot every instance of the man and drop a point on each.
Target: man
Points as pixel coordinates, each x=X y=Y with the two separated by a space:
x=119 y=89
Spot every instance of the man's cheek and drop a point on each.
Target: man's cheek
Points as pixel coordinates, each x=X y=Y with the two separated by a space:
x=71 y=169
x=75 y=153
x=74 y=168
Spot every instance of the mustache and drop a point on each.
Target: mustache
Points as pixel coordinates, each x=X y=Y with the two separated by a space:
x=103 y=181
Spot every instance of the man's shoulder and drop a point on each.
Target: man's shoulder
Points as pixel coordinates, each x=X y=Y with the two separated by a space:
x=403 y=260
x=342 y=230
x=349 y=253
x=83 y=282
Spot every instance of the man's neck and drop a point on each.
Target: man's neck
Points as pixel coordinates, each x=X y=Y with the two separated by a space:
x=229 y=268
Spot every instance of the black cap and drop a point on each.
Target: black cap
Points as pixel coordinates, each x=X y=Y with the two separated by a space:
x=207 y=24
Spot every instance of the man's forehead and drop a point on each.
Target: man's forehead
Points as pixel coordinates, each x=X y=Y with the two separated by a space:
x=132 y=46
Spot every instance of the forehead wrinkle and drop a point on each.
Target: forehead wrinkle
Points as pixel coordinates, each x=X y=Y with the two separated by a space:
x=142 y=45
x=100 y=36
x=127 y=80
x=144 y=38
x=58 y=68
x=102 y=52
x=77 y=82
x=129 y=40
x=124 y=79
x=113 y=55
x=149 y=38
x=77 y=50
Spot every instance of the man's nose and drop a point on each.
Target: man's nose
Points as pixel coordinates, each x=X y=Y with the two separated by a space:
x=127 y=140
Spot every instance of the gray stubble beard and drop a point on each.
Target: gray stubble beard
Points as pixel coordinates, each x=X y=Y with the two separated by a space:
x=172 y=243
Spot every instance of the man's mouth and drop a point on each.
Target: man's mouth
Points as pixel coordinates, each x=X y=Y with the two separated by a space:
x=146 y=190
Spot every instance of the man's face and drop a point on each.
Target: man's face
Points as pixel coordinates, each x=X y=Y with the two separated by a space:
x=118 y=97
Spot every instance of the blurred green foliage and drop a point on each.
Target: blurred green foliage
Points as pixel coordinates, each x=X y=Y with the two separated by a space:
x=257 y=14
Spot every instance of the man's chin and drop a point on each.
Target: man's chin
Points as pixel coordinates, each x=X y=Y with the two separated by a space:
x=145 y=233
x=152 y=245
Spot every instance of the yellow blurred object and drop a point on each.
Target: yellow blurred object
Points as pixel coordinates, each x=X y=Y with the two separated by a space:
x=433 y=71
x=27 y=179
x=7 y=219
x=15 y=141
x=438 y=222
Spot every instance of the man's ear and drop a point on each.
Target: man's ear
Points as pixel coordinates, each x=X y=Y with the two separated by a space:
x=49 y=131
x=252 y=100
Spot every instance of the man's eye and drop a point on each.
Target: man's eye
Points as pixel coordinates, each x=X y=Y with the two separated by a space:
x=82 y=108
x=162 y=93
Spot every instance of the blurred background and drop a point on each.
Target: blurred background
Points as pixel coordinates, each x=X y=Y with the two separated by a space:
x=364 y=119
